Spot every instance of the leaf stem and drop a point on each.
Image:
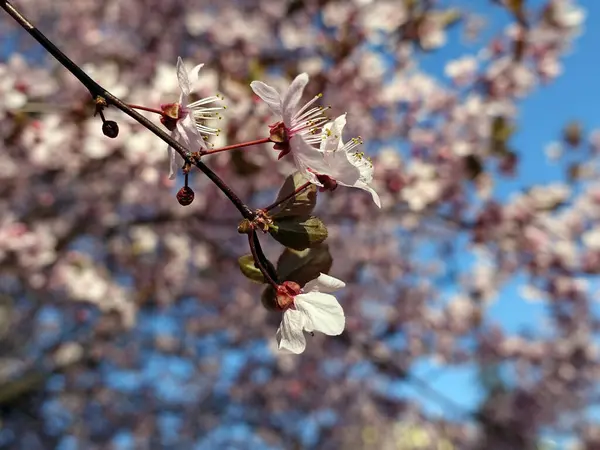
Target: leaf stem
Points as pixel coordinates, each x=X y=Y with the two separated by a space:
x=299 y=190
x=98 y=91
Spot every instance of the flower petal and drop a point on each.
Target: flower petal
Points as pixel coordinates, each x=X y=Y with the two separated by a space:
x=324 y=283
x=187 y=135
x=362 y=185
x=269 y=95
x=333 y=134
x=182 y=77
x=292 y=97
x=323 y=311
x=171 y=154
x=289 y=335
x=191 y=137
x=193 y=74
x=342 y=168
x=308 y=159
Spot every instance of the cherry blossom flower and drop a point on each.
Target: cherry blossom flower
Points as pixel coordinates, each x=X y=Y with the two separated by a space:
x=187 y=121
x=347 y=166
x=461 y=70
x=310 y=309
x=299 y=126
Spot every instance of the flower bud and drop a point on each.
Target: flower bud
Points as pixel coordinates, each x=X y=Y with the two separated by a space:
x=245 y=226
x=185 y=196
x=110 y=128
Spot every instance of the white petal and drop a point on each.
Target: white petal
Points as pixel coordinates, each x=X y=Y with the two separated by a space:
x=333 y=134
x=193 y=74
x=292 y=97
x=187 y=135
x=172 y=155
x=307 y=157
x=366 y=187
x=341 y=168
x=289 y=334
x=269 y=95
x=324 y=312
x=190 y=135
x=324 y=283
x=182 y=77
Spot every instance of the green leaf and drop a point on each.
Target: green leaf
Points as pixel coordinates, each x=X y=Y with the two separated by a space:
x=6 y=314
x=249 y=270
x=447 y=17
x=502 y=130
x=572 y=134
x=473 y=166
x=301 y=204
x=297 y=233
x=515 y=6
x=303 y=266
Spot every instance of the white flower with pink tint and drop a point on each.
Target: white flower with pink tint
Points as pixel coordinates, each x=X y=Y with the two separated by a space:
x=310 y=309
x=298 y=128
x=187 y=122
x=347 y=166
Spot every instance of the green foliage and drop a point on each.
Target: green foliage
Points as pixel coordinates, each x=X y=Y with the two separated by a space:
x=298 y=233
x=300 y=205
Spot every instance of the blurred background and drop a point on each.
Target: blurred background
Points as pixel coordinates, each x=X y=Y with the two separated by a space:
x=471 y=296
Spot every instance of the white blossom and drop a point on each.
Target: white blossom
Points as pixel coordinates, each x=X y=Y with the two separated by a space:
x=314 y=309
x=189 y=118
x=301 y=125
x=347 y=166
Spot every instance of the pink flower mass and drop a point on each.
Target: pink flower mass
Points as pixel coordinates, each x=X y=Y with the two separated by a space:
x=247 y=298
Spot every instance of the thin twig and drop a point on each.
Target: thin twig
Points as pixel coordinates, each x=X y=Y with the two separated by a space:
x=98 y=92
x=260 y=258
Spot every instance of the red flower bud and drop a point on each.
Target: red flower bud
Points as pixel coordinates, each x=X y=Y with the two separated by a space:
x=110 y=128
x=185 y=196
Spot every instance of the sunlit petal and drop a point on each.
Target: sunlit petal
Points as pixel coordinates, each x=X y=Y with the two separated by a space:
x=292 y=97
x=324 y=283
x=182 y=77
x=269 y=95
x=323 y=311
x=289 y=335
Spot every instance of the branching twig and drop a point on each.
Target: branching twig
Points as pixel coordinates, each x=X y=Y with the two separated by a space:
x=98 y=93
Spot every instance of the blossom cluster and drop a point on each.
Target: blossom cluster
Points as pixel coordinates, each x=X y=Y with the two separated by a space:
x=93 y=220
x=315 y=144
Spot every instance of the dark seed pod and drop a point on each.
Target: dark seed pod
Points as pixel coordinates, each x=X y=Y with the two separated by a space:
x=185 y=196
x=110 y=128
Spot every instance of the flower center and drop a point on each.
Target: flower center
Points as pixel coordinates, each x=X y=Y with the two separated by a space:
x=286 y=293
x=171 y=113
x=279 y=134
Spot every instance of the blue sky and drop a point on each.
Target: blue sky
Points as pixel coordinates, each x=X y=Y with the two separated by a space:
x=541 y=118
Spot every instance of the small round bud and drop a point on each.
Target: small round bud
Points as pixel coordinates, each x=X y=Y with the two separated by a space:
x=245 y=226
x=110 y=128
x=185 y=196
